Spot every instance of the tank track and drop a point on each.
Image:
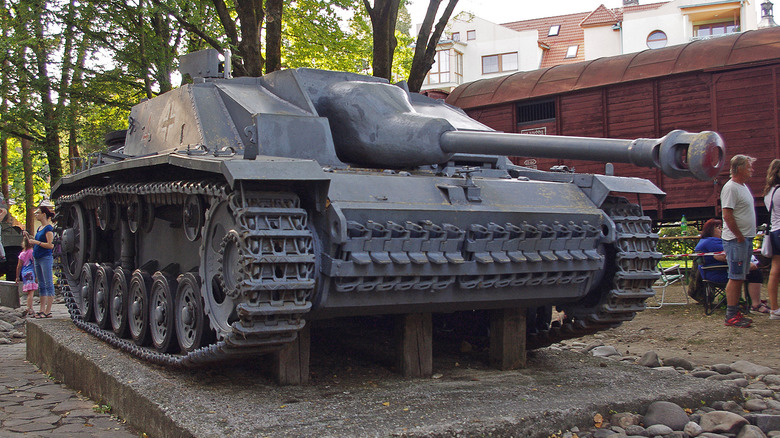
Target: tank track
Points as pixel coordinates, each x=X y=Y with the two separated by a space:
x=629 y=279
x=266 y=321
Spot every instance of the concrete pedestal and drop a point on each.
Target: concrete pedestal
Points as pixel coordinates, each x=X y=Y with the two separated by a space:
x=9 y=294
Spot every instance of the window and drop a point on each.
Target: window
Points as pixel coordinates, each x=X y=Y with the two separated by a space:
x=716 y=29
x=443 y=71
x=535 y=111
x=509 y=61
x=490 y=64
x=571 y=52
x=656 y=39
x=455 y=36
x=499 y=63
x=554 y=30
x=471 y=35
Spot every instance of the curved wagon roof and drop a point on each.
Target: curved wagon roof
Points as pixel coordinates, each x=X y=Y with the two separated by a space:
x=757 y=46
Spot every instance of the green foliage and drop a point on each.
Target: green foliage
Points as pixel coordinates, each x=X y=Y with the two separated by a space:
x=102 y=408
x=312 y=36
x=677 y=246
x=16 y=192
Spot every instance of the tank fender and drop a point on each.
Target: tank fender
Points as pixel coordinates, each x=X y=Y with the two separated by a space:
x=289 y=171
x=272 y=169
x=602 y=185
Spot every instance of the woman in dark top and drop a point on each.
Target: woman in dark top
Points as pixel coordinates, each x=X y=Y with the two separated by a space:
x=712 y=242
x=43 y=243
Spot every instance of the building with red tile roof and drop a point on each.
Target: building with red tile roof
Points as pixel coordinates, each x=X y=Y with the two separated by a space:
x=478 y=49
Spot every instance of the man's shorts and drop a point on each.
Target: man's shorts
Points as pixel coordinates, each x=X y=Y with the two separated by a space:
x=738 y=257
x=775 y=239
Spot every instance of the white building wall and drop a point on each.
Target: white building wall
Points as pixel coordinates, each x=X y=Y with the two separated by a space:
x=491 y=39
x=601 y=41
x=750 y=14
x=638 y=26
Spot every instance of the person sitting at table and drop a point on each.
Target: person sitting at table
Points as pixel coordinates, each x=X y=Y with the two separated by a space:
x=712 y=242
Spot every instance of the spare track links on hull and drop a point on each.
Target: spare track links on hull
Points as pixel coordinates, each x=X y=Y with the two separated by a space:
x=629 y=280
x=265 y=254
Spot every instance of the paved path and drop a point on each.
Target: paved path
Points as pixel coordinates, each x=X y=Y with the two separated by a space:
x=33 y=405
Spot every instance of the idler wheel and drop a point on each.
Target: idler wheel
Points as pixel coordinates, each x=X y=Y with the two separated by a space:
x=161 y=313
x=219 y=294
x=103 y=278
x=193 y=217
x=138 y=307
x=118 y=300
x=192 y=326
x=84 y=293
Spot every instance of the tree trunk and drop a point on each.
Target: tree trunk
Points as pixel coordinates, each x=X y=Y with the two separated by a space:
x=164 y=58
x=383 y=17
x=145 y=67
x=73 y=111
x=273 y=35
x=4 y=164
x=29 y=190
x=425 y=50
x=4 y=105
x=51 y=142
x=251 y=15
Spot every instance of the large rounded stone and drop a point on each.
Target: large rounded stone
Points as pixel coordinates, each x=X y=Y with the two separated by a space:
x=751 y=369
x=678 y=362
x=625 y=419
x=755 y=404
x=692 y=429
x=650 y=359
x=722 y=368
x=751 y=431
x=636 y=431
x=6 y=326
x=604 y=351
x=659 y=429
x=722 y=421
x=666 y=413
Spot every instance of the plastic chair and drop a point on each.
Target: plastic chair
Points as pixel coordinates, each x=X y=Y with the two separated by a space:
x=670 y=277
x=714 y=295
x=715 y=292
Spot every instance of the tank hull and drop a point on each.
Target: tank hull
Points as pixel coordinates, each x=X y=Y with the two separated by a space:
x=233 y=256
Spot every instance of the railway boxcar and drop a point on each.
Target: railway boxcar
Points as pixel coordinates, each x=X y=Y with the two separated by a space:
x=727 y=84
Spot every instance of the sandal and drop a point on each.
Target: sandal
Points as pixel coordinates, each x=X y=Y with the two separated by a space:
x=38 y=315
x=761 y=308
x=46 y=315
x=30 y=313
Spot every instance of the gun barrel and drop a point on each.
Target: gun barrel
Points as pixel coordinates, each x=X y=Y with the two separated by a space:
x=678 y=154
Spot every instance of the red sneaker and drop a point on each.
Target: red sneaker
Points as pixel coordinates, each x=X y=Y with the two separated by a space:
x=738 y=320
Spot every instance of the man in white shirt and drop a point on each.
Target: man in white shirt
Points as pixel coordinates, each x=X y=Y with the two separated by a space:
x=739 y=229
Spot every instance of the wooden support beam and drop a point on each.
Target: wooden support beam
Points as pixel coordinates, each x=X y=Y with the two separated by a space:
x=507 y=338
x=290 y=366
x=414 y=338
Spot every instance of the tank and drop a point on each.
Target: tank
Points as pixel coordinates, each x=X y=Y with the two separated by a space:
x=234 y=211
